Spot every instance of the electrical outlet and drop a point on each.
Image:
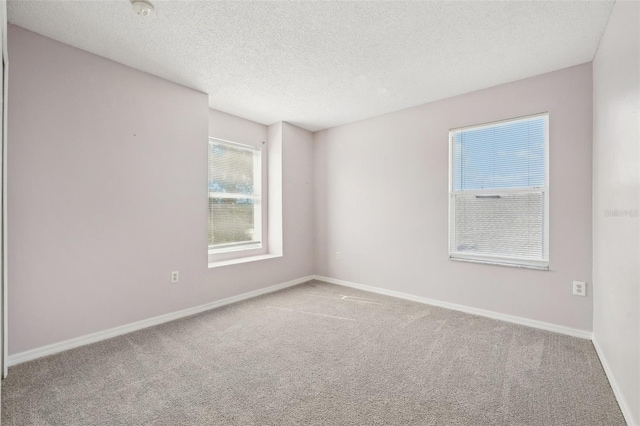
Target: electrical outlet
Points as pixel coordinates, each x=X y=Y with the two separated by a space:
x=338 y=256
x=579 y=288
x=175 y=276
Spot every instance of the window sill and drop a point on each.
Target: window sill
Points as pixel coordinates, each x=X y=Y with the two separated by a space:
x=498 y=263
x=243 y=260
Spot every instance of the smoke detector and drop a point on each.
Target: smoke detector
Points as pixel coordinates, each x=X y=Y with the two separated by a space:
x=143 y=8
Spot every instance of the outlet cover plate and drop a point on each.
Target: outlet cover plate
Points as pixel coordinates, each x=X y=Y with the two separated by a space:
x=579 y=288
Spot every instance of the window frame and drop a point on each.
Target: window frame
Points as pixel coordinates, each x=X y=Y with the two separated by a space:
x=501 y=260
x=231 y=251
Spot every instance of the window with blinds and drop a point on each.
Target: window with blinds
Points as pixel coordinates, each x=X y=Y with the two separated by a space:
x=234 y=197
x=499 y=193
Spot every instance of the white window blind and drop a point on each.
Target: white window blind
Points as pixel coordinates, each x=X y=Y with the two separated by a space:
x=234 y=196
x=499 y=192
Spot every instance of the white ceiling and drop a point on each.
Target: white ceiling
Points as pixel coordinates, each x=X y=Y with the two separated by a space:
x=322 y=64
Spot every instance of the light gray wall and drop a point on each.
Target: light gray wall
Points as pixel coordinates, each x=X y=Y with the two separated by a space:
x=107 y=195
x=382 y=201
x=616 y=196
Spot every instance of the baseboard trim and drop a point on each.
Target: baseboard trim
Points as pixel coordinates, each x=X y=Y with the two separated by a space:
x=622 y=402
x=574 y=332
x=139 y=325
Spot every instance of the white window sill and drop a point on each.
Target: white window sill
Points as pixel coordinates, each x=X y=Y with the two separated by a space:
x=243 y=260
x=498 y=263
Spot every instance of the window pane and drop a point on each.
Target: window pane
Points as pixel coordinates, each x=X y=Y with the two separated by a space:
x=234 y=195
x=507 y=225
x=231 y=169
x=503 y=155
x=231 y=220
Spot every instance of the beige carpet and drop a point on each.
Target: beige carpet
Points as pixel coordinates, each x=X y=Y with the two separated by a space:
x=318 y=354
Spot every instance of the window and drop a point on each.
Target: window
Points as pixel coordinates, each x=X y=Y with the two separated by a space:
x=499 y=193
x=235 y=202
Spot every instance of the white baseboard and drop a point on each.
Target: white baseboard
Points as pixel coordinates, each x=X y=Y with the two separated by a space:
x=583 y=334
x=622 y=402
x=128 y=328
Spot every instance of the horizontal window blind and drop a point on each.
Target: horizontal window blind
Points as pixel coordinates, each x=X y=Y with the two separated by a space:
x=499 y=193
x=234 y=195
x=503 y=155
x=510 y=225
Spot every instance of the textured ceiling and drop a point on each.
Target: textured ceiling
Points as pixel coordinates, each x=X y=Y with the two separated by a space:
x=322 y=64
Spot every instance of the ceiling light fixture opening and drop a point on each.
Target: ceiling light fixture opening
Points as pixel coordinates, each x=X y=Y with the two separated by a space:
x=143 y=8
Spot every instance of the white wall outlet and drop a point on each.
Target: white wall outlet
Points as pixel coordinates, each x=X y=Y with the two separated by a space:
x=579 y=288
x=175 y=276
x=338 y=255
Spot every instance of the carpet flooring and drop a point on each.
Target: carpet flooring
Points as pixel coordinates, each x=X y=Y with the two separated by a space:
x=318 y=354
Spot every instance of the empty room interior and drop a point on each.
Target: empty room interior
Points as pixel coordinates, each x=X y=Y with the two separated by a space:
x=320 y=212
